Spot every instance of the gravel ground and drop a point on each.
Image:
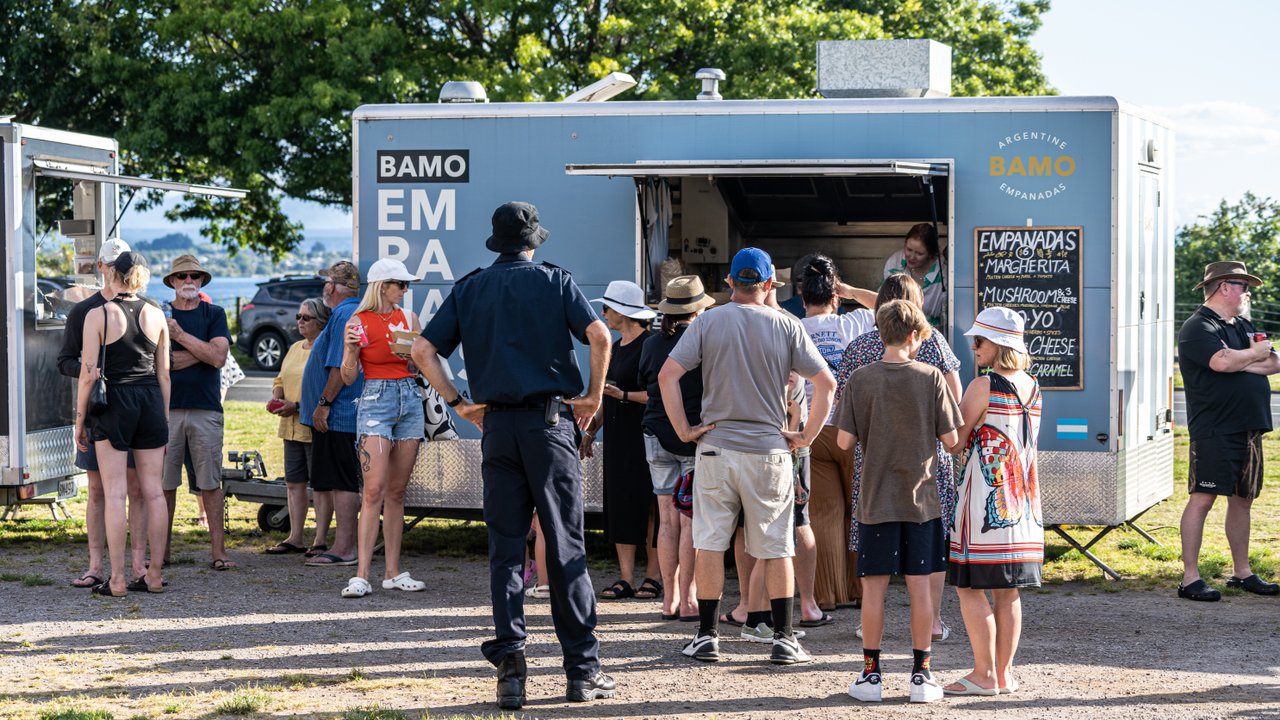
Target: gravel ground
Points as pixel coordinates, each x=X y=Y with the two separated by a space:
x=278 y=634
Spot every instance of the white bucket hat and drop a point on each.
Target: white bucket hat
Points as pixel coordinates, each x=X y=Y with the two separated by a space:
x=1001 y=326
x=626 y=298
x=388 y=269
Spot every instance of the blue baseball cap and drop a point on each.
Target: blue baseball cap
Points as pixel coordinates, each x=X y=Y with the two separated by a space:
x=751 y=265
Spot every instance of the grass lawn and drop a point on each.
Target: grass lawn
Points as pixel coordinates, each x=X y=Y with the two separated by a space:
x=1143 y=564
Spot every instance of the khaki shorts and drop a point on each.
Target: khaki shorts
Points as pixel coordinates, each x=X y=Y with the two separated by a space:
x=201 y=432
x=762 y=487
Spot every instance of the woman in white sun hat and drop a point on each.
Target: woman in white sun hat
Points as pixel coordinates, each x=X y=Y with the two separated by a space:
x=389 y=421
x=628 y=489
x=997 y=537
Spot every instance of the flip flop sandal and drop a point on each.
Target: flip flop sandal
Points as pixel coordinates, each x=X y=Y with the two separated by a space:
x=404 y=582
x=92 y=581
x=826 y=619
x=671 y=616
x=315 y=550
x=969 y=688
x=946 y=633
x=357 y=587
x=618 y=591
x=1013 y=688
x=105 y=590
x=327 y=559
x=649 y=589
x=690 y=618
x=728 y=619
x=221 y=565
x=284 y=548
x=140 y=585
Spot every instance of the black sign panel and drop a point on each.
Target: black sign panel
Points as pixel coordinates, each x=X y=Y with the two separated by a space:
x=1036 y=271
x=424 y=166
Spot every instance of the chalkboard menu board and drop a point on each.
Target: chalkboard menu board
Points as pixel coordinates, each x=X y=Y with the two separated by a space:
x=1036 y=271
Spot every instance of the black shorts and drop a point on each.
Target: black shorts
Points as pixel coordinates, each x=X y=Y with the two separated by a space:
x=135 y=418
x=1226 y=465
x=902 y=548
x=333 y=461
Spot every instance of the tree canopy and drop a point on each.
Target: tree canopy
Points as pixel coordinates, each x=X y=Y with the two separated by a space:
x=259 y=93
x=1248 y=231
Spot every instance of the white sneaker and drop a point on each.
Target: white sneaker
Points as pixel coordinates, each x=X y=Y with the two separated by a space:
x=866 y=688
x=924 y=688
x=858 y=632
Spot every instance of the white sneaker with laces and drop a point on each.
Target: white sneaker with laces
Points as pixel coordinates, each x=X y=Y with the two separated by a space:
x=924 y=688
x=866 y=688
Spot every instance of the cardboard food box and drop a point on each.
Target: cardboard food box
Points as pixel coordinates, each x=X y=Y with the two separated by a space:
x=402 y=342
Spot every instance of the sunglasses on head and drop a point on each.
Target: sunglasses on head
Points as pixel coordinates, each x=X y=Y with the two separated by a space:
x=188 y=276
x=300 y=317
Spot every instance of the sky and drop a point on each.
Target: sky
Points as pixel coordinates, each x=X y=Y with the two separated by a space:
x=1211 y=69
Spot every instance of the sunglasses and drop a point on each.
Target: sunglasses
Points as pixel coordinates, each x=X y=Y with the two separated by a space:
x=402 y=284
x=189 y=276
x=979 y=341
x=300 y=317
x=1237 y=283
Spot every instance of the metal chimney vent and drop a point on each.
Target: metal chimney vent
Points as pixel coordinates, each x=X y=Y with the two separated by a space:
x=710 y=78
x=883 y=69
x=463 y=91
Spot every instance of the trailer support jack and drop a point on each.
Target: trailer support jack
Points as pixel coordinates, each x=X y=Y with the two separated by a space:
x=1084 y=549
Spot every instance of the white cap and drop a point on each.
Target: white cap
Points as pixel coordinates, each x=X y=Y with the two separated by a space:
x=388 y=269
x=1001 y=326
x=626 y=298
x=111 y=250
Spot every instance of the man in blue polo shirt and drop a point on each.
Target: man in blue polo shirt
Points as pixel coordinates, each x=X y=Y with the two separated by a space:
x=516 y=319
x=328 y=407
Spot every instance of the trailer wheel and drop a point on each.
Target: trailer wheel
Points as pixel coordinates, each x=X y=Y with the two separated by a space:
x=273 y=518
x=268 y=350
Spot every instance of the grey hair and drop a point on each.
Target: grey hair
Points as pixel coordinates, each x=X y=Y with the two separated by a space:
x=316 y=307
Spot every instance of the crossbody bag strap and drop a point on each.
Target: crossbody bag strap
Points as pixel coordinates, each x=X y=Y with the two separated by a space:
x=102 y=349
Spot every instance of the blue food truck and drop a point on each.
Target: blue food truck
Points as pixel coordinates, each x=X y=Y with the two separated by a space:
x=1056 y=206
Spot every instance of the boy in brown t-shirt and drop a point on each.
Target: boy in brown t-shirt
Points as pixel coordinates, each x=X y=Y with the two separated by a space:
x=898 y=408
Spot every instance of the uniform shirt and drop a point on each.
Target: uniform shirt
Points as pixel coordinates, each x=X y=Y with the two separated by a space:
x=1220 y=403
x=326 y=352
x=198 y=387
x=515 y=319
x=746 y=353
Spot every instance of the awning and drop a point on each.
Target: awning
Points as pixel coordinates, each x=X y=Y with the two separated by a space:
x=71 y=171
x=707 y=168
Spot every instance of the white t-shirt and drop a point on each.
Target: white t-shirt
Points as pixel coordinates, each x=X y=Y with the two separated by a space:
x=831 y=334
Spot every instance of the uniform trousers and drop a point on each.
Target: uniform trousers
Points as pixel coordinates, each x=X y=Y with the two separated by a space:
x=527 y=465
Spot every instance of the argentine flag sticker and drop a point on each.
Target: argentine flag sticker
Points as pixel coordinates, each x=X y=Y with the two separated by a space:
x=1073 y=429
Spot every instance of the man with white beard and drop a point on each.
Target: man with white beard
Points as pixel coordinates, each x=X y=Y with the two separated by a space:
x=200 y=341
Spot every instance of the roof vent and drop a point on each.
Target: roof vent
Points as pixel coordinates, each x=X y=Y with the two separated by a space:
x=612 y=84
x=883 y=68
x=710 y=78
x=463 y=91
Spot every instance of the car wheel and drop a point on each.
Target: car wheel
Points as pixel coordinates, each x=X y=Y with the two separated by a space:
x=268 y=350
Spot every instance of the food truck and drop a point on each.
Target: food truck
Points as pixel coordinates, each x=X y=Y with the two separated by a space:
x=1058 y=207
x=37 y=447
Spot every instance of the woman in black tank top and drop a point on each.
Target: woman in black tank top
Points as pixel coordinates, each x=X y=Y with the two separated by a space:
x=137 y=414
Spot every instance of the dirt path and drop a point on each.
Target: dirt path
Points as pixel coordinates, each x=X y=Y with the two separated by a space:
x=276 y=638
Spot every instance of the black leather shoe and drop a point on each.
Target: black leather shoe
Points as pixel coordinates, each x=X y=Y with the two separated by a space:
x=596 y=687
x=511 y=675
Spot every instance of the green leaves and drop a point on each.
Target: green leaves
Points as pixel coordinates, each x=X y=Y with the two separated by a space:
x=1248 y=231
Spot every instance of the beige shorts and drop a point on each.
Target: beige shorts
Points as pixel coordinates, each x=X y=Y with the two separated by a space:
x=762 y=487
x=199 y=431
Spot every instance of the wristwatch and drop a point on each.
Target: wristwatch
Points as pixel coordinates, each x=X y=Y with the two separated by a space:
x=456 y=401
x=324 y=401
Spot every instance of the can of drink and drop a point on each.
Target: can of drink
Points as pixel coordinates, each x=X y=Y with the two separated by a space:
x=1259 y=337
x=168 y=310
x=364 y=336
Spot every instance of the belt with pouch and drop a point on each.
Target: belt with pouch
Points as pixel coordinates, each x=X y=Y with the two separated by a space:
x=551 y=407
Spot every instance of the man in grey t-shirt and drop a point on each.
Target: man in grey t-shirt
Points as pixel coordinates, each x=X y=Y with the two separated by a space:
x=746 y=351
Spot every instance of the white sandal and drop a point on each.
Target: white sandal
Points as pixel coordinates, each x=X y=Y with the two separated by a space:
x=404 y=582
x=538 y=592
x=357 y=587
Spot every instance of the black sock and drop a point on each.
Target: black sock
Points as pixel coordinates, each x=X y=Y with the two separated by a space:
x=870 y=661
x=708 y=616
x=755 y=617
x=781 y=615
x=920 y=662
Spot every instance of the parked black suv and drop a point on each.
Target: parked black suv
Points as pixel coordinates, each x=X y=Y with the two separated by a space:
x=267 y=323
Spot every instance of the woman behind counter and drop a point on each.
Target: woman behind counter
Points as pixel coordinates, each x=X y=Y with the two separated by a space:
x=389 y=421
x=286 y=390
x=921 y=258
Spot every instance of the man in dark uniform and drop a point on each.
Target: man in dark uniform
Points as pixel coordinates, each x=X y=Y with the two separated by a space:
x=515 y=319
x=1224 y=367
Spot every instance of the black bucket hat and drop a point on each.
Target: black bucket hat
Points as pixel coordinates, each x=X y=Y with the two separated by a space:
x=516 y=228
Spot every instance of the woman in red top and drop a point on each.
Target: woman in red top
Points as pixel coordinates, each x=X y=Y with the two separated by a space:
x=389 y=421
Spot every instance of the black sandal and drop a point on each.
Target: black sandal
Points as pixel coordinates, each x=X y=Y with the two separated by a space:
x=620 y=590
x=649 y=589
x=1199 y=591
x=1254 y=584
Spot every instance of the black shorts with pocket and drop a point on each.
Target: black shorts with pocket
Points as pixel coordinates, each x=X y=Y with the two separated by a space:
x=135 y=418
x=902 y=548
x=1229 y=464
x=333 y=461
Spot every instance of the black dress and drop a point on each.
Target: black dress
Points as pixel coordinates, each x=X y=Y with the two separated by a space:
x=628 y=491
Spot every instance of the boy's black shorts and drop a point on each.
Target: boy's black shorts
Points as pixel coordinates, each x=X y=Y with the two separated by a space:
x=902 y=548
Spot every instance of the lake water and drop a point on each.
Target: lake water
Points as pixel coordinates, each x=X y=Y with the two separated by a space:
x=223 y=290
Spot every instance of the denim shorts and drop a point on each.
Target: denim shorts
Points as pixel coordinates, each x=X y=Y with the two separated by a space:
x=390 y=409
x=664 y=466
